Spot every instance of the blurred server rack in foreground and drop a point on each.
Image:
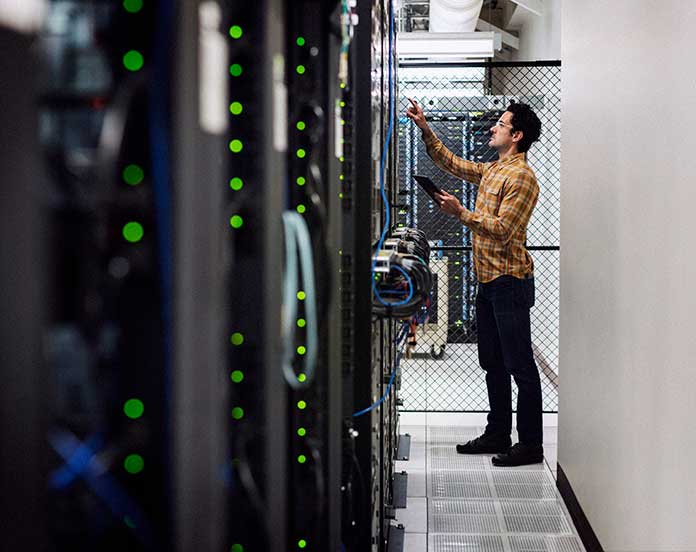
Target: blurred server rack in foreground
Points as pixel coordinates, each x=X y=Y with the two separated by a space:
x=108 y=340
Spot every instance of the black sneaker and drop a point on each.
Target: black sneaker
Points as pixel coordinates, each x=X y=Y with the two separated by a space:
x=485 y=444
x=520 y=455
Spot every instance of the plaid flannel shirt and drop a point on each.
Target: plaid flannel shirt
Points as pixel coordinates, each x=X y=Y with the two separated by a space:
x=507 y=194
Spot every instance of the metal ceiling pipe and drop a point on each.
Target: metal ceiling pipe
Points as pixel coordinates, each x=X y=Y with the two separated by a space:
x=454 y=16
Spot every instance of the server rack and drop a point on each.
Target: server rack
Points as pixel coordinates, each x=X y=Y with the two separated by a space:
x=258 y=490
x=104 y=129
x=372 y=350
x=166 y=267
x=203 y=262
x=467 y=132
x=315 y=36
x=124 y=286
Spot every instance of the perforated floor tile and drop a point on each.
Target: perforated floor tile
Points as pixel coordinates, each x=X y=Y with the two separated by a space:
x=474 y=506
x=545 y=543
x=462 y=507
x=470 y=543
x=459 y=484
x=456 y=516
x=459 y=462
x=544 y=516
x=524 y=484
x=451 y=435
x=519 y=477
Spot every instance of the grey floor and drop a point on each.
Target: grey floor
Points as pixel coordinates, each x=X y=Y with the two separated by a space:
x=463 y=503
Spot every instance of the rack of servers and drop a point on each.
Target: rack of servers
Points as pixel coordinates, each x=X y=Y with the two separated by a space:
x=197 y=359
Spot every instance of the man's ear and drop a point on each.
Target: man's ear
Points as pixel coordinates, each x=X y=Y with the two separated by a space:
x=517 y=135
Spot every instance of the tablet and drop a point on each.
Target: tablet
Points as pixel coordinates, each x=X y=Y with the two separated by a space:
x=428 y=186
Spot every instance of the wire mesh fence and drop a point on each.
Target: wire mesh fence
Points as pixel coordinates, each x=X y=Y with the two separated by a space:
x=461 y=104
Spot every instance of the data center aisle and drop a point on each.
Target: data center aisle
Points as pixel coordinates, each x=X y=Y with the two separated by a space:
x=462 y=502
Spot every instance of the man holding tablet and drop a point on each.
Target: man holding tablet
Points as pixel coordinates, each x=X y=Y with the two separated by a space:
x=507 y=194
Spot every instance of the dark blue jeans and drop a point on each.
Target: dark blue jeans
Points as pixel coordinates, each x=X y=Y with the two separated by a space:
x=505 y=349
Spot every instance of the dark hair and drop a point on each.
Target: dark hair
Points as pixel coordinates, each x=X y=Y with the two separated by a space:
x=526 y=121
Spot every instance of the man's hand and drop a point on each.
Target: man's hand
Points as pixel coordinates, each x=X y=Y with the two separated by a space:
x=415 y=113
x=449 y=204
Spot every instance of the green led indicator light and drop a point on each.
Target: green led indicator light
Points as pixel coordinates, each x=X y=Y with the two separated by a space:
x=133 y=232
x=300 y=69
x=301 y=458
x=301 y=378
x=237 y=413
x=237 y=339
x=301 y=405
x=301 y=295
x=133 y=175
x=129 y=522
x=342 y=104
x=301 y=322
x=300 y=125
x=237 y=548
x=341 y=159
x=133 y=6
x=236 y=221
x=236 y=184
x=134 y=463
x=302 y=543
x=340 y=195
x=134 y=408
x=302 y=432
x=343 y=85
x=300 y=41
x=133 y=60
x=301 y=350
x=301 y=153
x=300 y=181
x=235 y=69
x=237 y=376
x=236 y=146
x=301 y=208
x=236 y=31
x=236 y=108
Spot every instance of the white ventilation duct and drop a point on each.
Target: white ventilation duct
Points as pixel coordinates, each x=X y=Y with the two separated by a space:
x=454 y=16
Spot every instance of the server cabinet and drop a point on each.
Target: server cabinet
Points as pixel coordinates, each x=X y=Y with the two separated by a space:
x=372 y=343
x=257 y=146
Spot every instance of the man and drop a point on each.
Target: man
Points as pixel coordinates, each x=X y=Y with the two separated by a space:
x=507 y=194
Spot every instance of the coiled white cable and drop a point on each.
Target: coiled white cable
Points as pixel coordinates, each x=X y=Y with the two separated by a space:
x=297 y=240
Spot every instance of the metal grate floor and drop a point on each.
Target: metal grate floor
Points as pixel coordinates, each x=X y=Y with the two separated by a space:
x=471 y=505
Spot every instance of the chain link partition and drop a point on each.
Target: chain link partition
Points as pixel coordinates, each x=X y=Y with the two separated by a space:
x=461 y=103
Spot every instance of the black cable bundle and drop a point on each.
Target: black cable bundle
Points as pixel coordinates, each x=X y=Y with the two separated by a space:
x=413 y=242
x=402 y=290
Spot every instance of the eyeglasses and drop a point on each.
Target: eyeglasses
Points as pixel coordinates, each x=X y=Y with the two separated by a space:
x=501 y=123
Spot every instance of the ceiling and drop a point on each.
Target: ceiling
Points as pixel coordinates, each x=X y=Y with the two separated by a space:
x=505 y=17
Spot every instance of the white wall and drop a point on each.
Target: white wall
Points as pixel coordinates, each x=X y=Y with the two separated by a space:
x=627 y=408
x=540 y=36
